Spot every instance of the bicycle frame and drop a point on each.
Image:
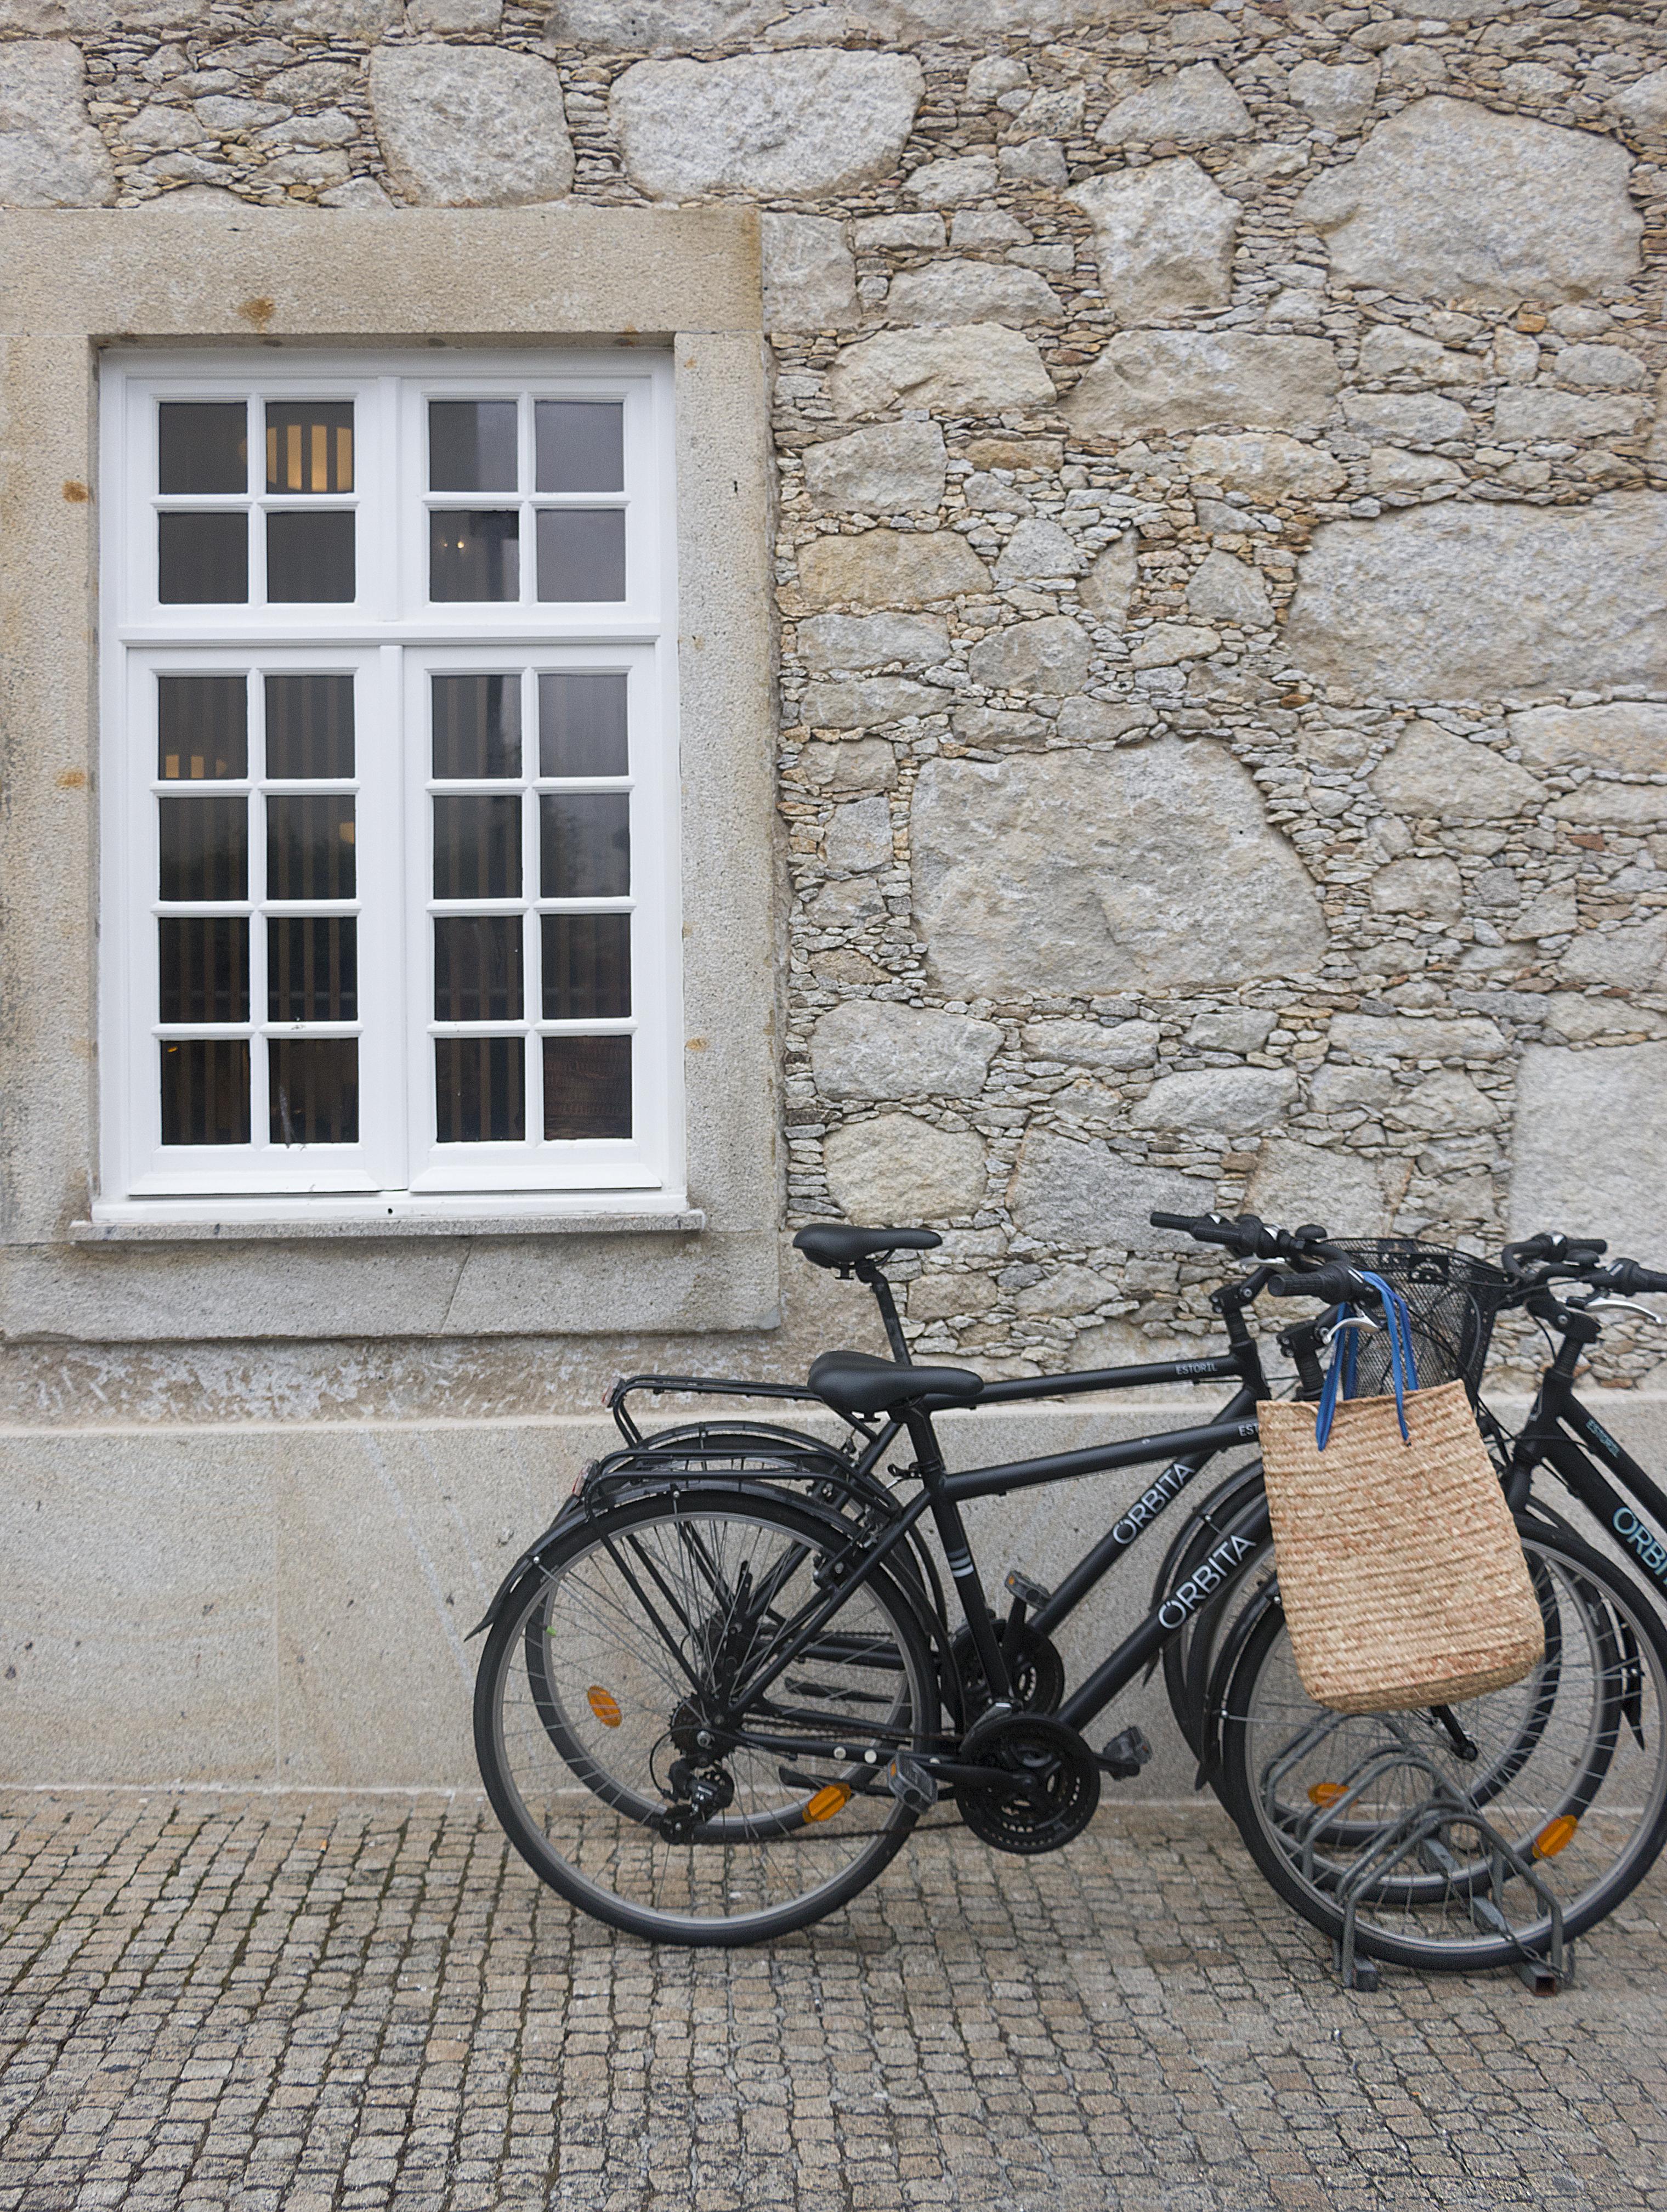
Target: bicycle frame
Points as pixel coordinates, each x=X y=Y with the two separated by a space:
x=1563 y=1434
x=943 y=1493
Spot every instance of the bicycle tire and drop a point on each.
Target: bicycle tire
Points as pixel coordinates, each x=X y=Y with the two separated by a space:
x=1578 y=1786
x=611 y=1656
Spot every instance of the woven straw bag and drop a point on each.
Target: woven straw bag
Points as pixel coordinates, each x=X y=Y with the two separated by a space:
x=1400 y=1567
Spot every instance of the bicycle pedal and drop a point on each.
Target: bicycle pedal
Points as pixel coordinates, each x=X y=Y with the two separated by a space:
x=1031 y=1594
x=1125 y=1754
x=911 y=1783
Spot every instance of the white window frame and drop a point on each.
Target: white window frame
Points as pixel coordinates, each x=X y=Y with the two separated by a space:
x=392 y=637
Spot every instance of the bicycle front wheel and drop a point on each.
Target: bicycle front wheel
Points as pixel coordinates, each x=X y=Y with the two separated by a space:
x=1395 y=1820
x=629 y=1759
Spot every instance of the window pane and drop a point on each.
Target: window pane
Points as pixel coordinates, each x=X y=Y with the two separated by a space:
x=478 y=848
x=309 y=847
x=309 y=726
x=472 y=445
x=309 y=557
x=309 y=445
x=581 y=725
x=311 y=968
x=203 y=848
x=205 y=1090
x=203 y=560
x=203 y=968
x=313 y=1087
x=201 y=727
x=580 y=444
x=586 y=967
x=477 y=726
x=587 y=1087
x=477 y=968
x=480 y=1090
x=474 y=556
x=581 y=553
x=584 y=842
x=203 y=446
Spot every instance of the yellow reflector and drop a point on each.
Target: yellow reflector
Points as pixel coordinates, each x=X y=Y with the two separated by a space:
x=1325 y=1793
x=605 y=1708
x=826 y=1802
x=1555 y=1836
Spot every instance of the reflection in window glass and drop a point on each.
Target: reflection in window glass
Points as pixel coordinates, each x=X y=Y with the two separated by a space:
x=309 y=726
x=472 y=445
x=480 y=1090
x=586 y=967
x=203 y=560
x=203 y=446
x=587 y=1087
x=309 y=557
x=580 y=444
x=474 y=555
x=581 y=725
x=477 y=848
x=476 y=727
x=312 y=1087
x=309 y=847
x=309 y=445
x=581 y=553
x=203 y=848
x=311 y=968
x=585 y=844
x=205 y=1090
x=477 y=968
x=201 y=727
x=202 y=967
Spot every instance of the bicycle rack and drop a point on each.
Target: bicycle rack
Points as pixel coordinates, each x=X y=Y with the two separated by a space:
x=1419 y=1833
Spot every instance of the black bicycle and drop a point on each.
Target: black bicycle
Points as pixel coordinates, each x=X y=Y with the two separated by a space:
x=1548 y=1801
x=718 y=1693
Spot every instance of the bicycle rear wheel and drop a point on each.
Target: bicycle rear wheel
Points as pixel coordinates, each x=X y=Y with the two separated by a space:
x=1401 y=1814
x=613 y=1749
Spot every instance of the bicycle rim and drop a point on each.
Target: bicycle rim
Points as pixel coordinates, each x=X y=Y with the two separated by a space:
x=625 y=1649
x=1382 y=1810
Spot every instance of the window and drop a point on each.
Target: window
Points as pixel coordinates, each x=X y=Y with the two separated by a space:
x=391 y=789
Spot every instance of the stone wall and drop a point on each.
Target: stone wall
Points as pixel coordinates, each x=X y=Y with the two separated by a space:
x=1223 y=612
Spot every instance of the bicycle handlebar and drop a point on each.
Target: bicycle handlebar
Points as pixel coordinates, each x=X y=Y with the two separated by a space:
x=1334 y=1286
x=1570 y=1251
x=1246 y=1234
x=1545 y=1259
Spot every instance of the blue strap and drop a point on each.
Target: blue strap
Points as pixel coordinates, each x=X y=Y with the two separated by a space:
x=1340 y=1377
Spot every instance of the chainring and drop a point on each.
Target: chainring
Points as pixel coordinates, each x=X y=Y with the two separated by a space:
x=1044 y=1785
x=1033 y=1666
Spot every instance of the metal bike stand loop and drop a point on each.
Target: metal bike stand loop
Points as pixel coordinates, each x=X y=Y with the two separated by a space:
x=1418 y=1833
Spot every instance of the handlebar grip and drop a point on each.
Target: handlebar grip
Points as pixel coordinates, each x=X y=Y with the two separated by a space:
x=1333 y=1287
x=1182 y=1221
x=1630 y=1278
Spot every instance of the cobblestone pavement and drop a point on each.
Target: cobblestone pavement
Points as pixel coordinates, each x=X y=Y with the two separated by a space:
x=308 y=2002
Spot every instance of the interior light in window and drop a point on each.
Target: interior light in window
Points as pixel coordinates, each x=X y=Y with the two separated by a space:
x=474 y=555
x=201 y=727
x=309 y=445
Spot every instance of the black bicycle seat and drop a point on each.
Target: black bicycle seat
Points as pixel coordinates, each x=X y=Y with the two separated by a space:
x=858 y=1383
x=834 y=1244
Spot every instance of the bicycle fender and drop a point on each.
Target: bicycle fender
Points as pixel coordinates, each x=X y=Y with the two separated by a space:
x=534 y=1551
x=1221 y=1680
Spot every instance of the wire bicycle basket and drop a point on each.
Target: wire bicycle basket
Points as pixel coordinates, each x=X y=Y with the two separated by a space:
x=1454 y=1299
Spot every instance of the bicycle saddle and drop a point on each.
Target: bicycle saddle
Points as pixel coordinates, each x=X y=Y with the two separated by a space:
x=832 y=1244
x=858 y=1383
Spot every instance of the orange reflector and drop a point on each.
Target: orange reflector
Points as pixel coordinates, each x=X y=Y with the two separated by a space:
x=1555 y=1836
x=826 y=1802
x=1325 y=1793
x=605 y=1708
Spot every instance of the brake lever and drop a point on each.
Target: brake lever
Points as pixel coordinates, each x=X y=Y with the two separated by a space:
x=1615 y=1299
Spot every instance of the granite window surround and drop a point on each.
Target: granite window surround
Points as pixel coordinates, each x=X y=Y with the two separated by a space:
x=686 y=280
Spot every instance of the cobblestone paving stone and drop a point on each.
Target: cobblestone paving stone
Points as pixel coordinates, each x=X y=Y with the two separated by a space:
x=306 y=2003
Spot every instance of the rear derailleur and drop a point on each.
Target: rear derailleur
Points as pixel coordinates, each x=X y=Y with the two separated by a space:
x=699 y=1794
